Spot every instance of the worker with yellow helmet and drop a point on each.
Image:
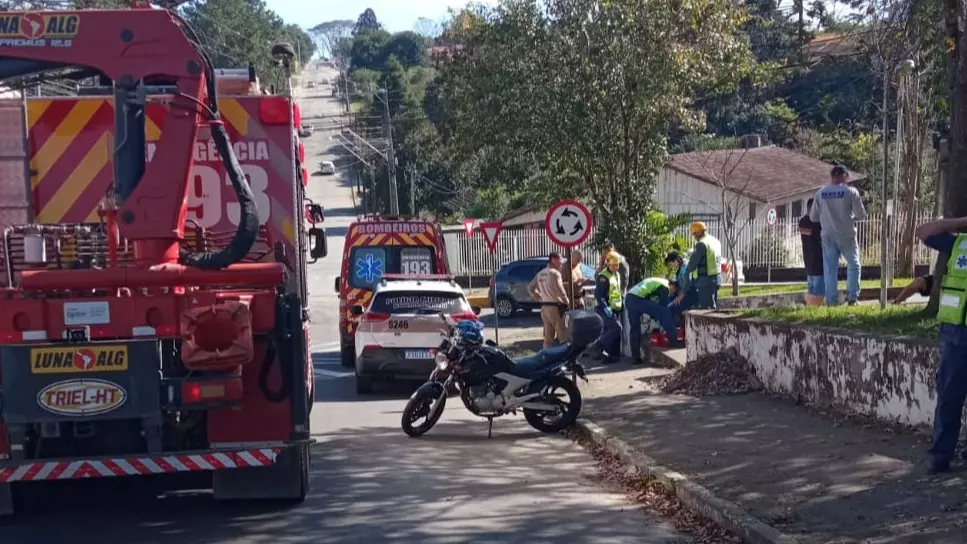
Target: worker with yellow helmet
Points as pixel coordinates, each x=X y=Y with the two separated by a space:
x=704 y=267
x=607 y=293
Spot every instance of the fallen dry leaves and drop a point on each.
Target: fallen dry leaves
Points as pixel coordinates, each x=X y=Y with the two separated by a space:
x=653 y=496
x=723 y=373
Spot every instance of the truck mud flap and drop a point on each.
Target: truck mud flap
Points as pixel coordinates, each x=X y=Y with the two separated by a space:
x=287 y=479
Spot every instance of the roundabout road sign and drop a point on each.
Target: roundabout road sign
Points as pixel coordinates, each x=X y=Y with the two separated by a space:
x=568 y=223
x=772 y=217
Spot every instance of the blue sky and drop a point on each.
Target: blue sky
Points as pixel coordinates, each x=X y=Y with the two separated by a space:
x=396 y=15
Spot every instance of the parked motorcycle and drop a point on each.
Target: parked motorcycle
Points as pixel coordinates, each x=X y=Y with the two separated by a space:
x=491 y=384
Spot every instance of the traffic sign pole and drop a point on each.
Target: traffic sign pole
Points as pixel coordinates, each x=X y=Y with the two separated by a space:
x=568 y=224
x=772 y=218
x=491 y=232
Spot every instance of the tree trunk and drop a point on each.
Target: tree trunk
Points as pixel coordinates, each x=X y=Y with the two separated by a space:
x=955 y=181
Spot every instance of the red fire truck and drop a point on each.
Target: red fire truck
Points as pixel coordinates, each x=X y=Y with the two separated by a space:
x=153 y=317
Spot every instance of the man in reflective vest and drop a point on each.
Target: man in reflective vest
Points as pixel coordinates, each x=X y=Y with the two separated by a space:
x=649 y=297
x=703 y=267
x=952 y=314
x=607 y=292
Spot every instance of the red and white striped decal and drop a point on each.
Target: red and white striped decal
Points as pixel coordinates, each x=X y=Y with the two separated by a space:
x=137 y=466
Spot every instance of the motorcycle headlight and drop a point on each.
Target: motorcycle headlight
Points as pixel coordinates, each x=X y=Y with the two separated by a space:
x=441 y=360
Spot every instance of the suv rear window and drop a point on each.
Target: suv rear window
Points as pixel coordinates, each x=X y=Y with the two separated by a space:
x=410 y=302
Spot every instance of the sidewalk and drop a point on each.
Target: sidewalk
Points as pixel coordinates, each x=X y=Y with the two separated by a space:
x=824 y=480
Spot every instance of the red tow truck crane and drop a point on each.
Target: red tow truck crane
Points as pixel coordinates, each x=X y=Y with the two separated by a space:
x=158 y=352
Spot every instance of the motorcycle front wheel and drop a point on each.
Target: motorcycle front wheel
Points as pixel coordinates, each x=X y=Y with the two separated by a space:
x=567 y=412
x=418 y=409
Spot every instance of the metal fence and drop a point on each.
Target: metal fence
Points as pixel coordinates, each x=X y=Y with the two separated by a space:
x=758 y=245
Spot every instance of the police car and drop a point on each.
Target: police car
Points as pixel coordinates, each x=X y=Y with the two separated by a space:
x=400 y=329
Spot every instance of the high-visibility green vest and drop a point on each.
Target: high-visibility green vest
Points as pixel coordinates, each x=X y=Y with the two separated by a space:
x=646 y=287
x=713 y=252
x=615 y=302
x=953 y=288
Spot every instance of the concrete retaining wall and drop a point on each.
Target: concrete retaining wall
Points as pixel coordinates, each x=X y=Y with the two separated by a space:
x=889 y=378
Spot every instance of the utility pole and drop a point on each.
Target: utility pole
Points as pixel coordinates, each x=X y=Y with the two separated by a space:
x=345 y=83
x=394 y=200
x=413 y=176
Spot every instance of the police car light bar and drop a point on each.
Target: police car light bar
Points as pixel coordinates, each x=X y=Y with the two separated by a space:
x=392 y=277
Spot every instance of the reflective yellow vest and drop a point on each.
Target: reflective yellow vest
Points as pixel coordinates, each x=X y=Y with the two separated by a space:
x=713 y=252
x=953 y=288
x=646 y=287
x=615 y=301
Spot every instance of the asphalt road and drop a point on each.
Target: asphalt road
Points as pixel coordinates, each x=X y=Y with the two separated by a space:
x=370 y=483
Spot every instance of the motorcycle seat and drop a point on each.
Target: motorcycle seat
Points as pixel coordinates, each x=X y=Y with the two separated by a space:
x=542 y=359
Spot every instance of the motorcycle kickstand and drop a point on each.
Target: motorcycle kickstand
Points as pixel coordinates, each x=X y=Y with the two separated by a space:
x=490 y=426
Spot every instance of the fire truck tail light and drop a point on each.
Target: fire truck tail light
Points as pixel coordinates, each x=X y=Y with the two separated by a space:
x=275 y=110
x=203 y=392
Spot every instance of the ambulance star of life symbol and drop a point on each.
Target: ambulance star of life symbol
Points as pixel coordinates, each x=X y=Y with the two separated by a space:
x=961 y=262
x=369 y=268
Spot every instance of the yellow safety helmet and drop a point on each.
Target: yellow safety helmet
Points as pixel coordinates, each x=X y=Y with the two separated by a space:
x=612 y=258
x=697 y=227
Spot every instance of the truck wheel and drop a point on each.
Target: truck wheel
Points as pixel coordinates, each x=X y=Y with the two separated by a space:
x=287 y=481
x=347 y=355
x=6 y=500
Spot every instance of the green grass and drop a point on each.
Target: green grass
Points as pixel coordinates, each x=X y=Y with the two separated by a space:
x=726 y=290
x=902 y=320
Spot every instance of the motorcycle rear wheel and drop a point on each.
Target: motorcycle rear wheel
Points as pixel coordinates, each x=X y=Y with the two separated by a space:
x=570 y=409
x=417 y=408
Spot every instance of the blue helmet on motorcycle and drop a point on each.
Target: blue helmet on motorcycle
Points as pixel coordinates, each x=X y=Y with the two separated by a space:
x=469 y=331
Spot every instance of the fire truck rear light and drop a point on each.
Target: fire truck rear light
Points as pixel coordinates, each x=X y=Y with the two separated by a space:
x=275 y=110
x=202 y=392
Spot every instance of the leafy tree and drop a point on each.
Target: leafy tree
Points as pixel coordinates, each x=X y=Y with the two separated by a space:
x=408 y=47
x=329 y=34
x=587 y=92
x=427 y=27
x=366 y=22
x=369 y=50
x=238 y=32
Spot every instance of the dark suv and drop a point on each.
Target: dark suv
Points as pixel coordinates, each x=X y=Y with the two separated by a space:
x=508 y=288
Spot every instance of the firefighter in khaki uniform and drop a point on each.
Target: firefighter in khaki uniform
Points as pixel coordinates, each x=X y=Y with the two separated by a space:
x=952 y=314
x=547 y=287
x=607 y=292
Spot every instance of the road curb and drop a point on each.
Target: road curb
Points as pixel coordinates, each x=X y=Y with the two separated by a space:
x=724 y=513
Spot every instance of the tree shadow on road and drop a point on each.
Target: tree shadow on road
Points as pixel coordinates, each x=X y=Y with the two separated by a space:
x=368 y=485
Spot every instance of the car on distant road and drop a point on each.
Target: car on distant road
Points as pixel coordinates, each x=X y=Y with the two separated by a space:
x=328 y=168
x=508 y=292
x=401 y=328
x=311 y=84
x=306 y=130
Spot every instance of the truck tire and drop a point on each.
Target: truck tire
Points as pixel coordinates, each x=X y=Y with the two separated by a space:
x=347 y=355
x=287 y=481
x=6 y=500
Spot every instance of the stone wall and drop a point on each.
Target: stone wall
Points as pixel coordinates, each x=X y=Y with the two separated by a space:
x=889 y=378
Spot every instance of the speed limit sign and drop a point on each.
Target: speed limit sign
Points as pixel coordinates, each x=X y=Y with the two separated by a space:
x=772 y=217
